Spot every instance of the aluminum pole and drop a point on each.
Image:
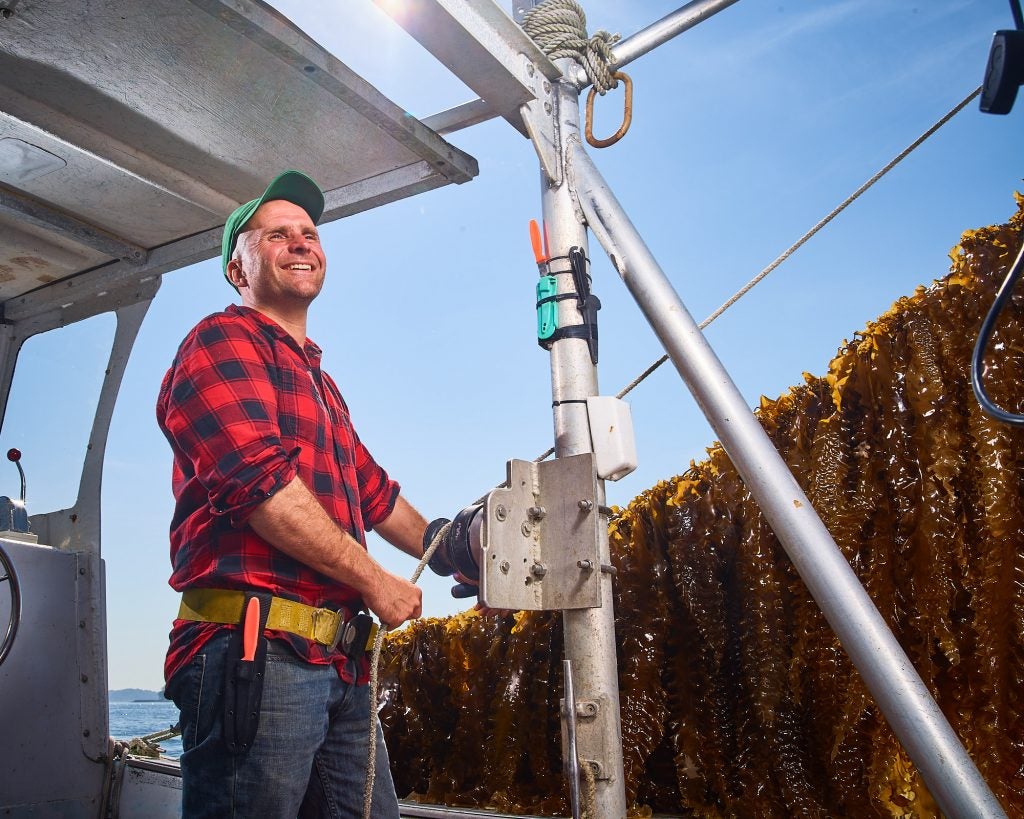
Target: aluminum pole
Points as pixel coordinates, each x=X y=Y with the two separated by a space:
x=647 y=39
x=569 y=715
x=951 y=776
x=589 y=633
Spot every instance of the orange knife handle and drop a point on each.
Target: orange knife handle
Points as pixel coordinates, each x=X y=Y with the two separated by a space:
x=538 y=250
x=251 y=629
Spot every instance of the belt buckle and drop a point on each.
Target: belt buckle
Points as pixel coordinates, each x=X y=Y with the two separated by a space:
x=319 y=615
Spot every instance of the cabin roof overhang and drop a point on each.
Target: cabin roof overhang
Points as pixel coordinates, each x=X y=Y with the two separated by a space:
x=129 y=131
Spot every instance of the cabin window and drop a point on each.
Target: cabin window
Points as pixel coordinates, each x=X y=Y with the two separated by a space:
x=50 y=412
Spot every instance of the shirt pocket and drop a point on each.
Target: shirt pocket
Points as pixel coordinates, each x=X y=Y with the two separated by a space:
x=301 y=415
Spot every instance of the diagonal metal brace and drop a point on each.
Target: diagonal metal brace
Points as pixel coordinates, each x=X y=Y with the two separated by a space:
x=482 y=46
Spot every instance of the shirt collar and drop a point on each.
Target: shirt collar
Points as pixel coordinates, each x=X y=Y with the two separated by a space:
x=275 y=331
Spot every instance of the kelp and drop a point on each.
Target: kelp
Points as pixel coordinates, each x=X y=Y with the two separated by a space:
x=737 y=699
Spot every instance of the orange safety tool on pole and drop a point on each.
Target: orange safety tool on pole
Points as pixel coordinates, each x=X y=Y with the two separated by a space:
x=538 y=250
x=251 y=628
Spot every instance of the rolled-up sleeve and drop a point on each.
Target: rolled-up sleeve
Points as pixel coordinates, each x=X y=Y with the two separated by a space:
x=219 y=408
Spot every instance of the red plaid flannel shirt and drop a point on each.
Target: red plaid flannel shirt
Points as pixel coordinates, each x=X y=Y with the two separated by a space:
x=246 y=410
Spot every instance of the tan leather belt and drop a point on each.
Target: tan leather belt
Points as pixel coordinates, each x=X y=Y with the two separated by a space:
x=323 y=626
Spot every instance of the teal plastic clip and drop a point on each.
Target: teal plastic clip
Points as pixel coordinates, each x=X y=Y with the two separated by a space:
x=547 y=311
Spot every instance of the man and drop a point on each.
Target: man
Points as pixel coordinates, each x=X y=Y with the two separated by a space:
x=274 y=493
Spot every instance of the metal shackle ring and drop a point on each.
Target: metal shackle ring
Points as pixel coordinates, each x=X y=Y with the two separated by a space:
x=627 y=114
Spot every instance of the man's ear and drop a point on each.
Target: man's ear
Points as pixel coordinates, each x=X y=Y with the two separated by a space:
x=235 y=274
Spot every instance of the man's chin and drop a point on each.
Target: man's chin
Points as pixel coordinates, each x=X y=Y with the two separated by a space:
x=306 y=291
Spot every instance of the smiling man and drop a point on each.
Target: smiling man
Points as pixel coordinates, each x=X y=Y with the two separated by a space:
x=274 y=493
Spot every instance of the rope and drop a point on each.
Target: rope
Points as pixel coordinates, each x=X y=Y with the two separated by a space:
x=559 y=27
x=146 y=746
x=842 y=206
x=589 y=807
x=371 y=761
x=803 y=239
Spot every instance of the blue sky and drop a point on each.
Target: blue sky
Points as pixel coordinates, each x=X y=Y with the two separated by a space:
x=747 y=130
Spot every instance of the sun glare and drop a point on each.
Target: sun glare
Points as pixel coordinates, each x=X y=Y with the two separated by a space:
x=394 y=7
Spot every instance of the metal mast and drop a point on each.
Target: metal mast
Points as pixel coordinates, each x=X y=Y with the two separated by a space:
x=589 y=633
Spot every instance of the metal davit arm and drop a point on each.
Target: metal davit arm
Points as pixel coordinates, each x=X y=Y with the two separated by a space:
x=915 y=718
x=661 y=31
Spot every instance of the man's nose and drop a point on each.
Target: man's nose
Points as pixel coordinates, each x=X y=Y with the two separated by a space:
x=300 y=243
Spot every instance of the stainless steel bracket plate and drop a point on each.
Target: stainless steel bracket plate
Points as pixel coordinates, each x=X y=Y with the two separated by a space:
x=539 y=540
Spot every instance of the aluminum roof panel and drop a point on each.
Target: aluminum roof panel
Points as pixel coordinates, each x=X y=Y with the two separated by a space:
x=165 y=115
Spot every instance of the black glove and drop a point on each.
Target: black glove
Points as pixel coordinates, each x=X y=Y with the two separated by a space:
x=463 y=590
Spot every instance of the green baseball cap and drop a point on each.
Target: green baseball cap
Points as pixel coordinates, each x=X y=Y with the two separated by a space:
x=292 y=186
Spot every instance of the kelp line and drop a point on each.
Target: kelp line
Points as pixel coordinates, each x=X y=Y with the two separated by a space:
x=737 y=699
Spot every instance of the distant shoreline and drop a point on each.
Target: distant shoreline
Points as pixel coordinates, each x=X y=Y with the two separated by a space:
x=135 y=695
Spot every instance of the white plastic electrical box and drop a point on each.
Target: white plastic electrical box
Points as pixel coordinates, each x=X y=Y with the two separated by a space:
x=611 y=433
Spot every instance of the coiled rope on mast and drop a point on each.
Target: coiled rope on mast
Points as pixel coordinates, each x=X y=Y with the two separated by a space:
x=559 y=28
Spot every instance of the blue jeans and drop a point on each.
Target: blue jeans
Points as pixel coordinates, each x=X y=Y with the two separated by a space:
x=309 y=756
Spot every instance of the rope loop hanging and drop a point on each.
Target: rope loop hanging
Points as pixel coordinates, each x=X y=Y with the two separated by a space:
x=559 y=28
x=371 y=757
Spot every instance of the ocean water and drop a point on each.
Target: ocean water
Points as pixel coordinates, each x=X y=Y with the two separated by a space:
x=137 y=719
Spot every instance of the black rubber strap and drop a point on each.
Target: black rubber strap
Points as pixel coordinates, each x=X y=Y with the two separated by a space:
x=585 y=331
x=566 y=257
x=551 y=272
x=559 y=297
